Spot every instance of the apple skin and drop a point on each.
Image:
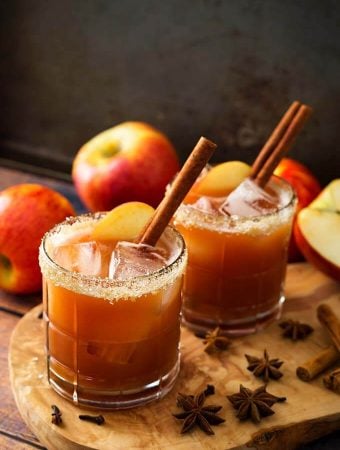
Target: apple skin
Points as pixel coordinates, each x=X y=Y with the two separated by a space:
x=321 y=218
x=27 y=212
x=314 y=257
x=129 y=162
x=307 y=188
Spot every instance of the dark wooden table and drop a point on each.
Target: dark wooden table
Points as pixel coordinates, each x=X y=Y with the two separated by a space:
x=14 y=434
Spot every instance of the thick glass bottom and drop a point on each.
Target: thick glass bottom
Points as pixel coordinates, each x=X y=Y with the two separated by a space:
x=201 y=324
x=113 y=399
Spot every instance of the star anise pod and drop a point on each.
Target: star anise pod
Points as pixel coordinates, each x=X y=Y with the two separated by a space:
x=253 y=404
x=264 y=368
x=196 y=414
x=295 y=330
x=214 y=341
x=209 y=390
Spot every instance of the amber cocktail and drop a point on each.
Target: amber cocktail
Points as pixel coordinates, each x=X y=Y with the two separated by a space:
x=237 y=256
x=112 y=315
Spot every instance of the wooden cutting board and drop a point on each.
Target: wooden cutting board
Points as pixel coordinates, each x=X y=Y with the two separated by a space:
x=309 y=412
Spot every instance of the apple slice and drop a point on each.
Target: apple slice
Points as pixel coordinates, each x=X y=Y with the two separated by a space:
x=223 y=178
x=329 y=198
x=317 y=230
x=123 y=223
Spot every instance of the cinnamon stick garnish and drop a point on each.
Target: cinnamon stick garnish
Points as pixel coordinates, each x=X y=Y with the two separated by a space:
x=318 y=363
x=280 y=142
x=180 y=187
x=328 y=318
x=274 y=139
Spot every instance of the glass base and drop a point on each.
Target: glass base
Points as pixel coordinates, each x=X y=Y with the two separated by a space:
x=240 y=327
x=109 y=399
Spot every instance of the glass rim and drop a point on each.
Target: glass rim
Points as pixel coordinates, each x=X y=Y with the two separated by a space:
x=211 y=219
x=105 y=287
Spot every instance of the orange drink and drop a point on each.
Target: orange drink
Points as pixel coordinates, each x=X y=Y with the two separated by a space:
x=237 y=249
x=112 y=315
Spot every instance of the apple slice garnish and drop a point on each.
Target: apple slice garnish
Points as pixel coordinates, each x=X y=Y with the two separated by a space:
x=222 y=179
x=317 y=230
x=123 y=223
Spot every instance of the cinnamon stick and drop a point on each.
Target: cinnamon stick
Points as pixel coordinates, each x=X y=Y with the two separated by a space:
x=318 y=363
x=274 y=139
x=180 y=187
x=288 y=135
x=328 y=318
x=332 y=380
x=323 y=360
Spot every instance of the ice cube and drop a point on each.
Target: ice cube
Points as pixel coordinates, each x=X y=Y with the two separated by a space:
x=249 y=200
x=130 y=260
x=209 y=205
x=88 y=258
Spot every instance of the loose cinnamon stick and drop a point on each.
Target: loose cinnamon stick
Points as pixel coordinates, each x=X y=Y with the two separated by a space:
x=332 y=380
x=274 y=139
x=180 y=187
x=328 y=318
x=323 y=360
x=283 y=145
x=318 y=363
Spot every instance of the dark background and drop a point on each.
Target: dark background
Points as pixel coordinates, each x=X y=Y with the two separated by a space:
x=225 y=69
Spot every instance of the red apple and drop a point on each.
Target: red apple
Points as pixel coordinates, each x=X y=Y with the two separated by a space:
x=27 y=211
x=306 y=187
x=129 y=162
x=317 y=230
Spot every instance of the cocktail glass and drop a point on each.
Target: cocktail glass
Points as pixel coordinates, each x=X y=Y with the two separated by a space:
x=111 y=343
x=237 y=264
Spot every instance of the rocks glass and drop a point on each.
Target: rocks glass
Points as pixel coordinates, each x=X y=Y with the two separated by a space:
x=237 y=264
x=111 y=343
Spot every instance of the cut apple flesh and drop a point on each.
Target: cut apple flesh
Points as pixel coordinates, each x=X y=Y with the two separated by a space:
x=222 y=179
x=329 y=198
x=124 y=223
x=321 y=230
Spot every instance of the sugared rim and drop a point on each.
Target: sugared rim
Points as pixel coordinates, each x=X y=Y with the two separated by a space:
x=187 y=215
x=107 y=288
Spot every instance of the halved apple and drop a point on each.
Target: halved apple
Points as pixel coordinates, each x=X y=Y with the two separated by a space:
x=222 y=179
x=329 y=198
x=123 y=223
x=317 y=230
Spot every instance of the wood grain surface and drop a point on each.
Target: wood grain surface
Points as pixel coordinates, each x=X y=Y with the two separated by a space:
x=310 y=411
x=14 y=434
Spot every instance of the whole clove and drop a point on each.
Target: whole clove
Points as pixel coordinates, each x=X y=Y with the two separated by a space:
x=99 y=420
x=56 y=415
